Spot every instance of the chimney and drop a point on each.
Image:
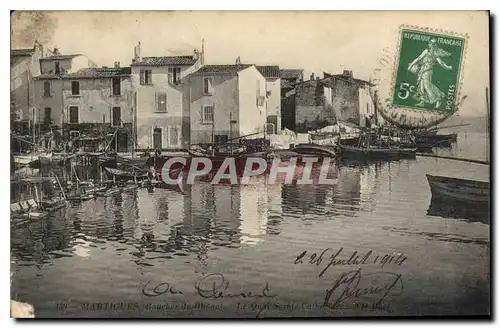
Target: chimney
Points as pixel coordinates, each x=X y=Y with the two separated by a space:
x=55 y=52
x=137 y=53
x=196 y=54
x=311 y=77
x=117 y=64
x=203 y=52
x=37 y=46
x=347 y=73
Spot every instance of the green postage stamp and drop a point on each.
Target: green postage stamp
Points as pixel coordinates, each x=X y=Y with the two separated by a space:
x=428 y=71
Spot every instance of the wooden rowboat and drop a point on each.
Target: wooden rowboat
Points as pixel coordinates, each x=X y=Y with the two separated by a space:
x=312 y=149
x=125 y=174
x=459 y=190
x=377 y=153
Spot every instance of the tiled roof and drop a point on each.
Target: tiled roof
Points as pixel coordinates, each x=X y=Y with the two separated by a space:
x=166 y=61
x=90 y=73
x=287 y=84
x=269 y=71
x=60 y=57
x=21 y=52
x=222 y=69
x=291 y=73
x=347 y=79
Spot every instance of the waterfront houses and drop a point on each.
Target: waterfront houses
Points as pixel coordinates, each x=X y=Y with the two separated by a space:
x=163 y=99
x=288 y=79
x=172 y=102
x=273 y=97
x=24 y=65
x=350 y=98
x=321 y=102
x=227 y=101
x=83 y=99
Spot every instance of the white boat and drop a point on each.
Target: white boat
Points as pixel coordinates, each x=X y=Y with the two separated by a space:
x=45 y=159
x=30 y=158
x=25 y=159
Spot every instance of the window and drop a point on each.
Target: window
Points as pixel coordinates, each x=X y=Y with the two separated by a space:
x=207 y=86
x=117 y=90
x=73 y=115
x=259 y=99
x=57 y=68
x=116 y=116
x=161 y=102
x=75 y=88
x=46 y=89
x=174 y=136
x=174 y=75
x=208 y=114
x=47 y=115
x=221 y=138
x=146 y=76
x=74 y=134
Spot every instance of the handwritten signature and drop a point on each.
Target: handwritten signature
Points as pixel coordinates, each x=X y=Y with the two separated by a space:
x=356 y=288
x=212 y=285
x=216 y=286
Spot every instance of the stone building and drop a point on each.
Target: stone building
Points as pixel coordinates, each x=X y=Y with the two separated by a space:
x=289 y=78
x=322 y=102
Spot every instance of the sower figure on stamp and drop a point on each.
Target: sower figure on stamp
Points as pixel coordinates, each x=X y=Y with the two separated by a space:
x=427 y=92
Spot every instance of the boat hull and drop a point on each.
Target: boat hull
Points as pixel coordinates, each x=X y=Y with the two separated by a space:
x=315 y=150
x=459 y=190
x=378 y=153
x=25 y=159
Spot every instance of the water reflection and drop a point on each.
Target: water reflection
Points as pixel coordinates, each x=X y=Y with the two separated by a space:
x=161 y=225
x=150 y=228
x=459 y=210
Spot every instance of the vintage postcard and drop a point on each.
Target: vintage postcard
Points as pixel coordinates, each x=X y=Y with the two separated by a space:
x=249 y=164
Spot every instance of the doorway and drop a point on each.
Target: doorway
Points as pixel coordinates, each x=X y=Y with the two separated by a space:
x=157 y=142
x=117 y=116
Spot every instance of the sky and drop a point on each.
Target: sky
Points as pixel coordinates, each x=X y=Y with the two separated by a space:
x=315 y=41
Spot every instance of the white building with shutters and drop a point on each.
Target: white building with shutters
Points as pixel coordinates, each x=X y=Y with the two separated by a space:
x=228 y=101
x=162 y=120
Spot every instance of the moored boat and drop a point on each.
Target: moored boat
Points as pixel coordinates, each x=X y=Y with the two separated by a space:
x=459 y=190
x=426 y=141
x=381 y=153
x=35 y=197
x=315 y=150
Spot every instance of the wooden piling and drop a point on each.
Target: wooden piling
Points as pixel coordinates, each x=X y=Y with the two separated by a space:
x=454 y=158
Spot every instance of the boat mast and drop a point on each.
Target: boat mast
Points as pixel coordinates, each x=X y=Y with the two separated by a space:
x=231 y=130
x=487 y=125
x=33 y=127
x=213 y=129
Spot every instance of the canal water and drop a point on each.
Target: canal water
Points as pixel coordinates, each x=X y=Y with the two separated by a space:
x=367 y=246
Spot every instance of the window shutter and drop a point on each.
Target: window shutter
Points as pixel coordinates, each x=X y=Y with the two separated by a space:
x=170 y=75
x=156 y=101
x=166 y=103
x=142 y=76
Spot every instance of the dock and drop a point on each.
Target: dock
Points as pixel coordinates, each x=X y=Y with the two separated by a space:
x=454 y=158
